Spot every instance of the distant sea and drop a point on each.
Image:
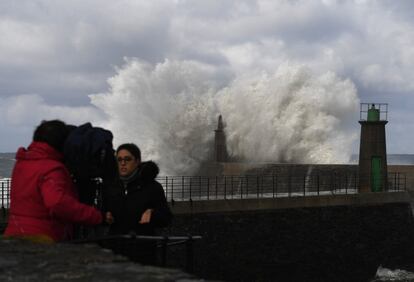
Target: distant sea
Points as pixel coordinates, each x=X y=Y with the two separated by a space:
x=7 y=162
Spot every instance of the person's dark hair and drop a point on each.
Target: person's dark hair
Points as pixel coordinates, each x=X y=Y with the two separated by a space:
x=132 y=148
x=52 y=132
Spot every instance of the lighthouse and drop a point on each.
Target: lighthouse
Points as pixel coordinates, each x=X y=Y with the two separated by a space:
x=220 y=150
x=372 y=150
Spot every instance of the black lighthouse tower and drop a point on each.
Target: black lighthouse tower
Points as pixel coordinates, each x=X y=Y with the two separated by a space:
x=220 y=150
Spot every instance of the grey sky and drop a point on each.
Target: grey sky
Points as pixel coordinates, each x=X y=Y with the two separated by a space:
x=53 y=54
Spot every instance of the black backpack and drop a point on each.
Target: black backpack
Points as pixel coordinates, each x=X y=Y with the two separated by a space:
x=89 y=156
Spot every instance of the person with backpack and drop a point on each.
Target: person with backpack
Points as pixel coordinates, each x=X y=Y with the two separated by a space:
x=43 y=203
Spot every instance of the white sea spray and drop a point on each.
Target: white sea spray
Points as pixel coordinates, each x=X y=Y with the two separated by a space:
x=170 y=110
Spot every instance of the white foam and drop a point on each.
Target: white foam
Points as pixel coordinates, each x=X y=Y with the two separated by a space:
x=170 y=110
x=385 y=274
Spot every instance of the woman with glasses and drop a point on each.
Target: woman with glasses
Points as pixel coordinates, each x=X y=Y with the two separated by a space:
x=135 y=201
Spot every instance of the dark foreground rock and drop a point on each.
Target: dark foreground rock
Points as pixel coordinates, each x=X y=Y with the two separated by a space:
x=26 y=261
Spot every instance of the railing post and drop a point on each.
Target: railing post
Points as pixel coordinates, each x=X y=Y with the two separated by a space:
x=208 y=188
x=346 y=184
x=199 y=182
x=317 y=183
x=262 y=185
x=225 y=187
x=258 y=186
x=273 y=185
x=304 y=185
x=405 y=182
x=231 y=179
x=166 y=187
x=2 y=194
x=3 y=209
x=182 y=187
x=355 y=182
x=290 y=184
x=172 y=190
x=189 y=255
x=396 y=182
x=276 y=185
x=241 y=186
x=164 y=251
x=216 y=188
x=191 y=188
x=247 y=185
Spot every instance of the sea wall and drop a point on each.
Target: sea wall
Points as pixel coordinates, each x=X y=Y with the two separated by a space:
x=335 y=240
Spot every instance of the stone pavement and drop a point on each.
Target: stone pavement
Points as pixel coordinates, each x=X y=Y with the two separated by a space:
x=26 y=261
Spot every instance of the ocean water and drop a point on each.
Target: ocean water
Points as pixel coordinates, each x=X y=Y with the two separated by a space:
x=6 y=164
x=7 y=161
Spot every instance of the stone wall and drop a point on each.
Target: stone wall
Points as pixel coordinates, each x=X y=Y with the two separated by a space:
x=331 y=243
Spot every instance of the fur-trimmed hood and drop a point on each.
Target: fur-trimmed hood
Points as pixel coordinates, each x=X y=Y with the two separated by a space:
x=148 y=170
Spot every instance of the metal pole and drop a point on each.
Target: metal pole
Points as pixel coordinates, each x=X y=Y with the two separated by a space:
x=241 y=187
x=318 y=183
x=290 y=183
x=355 y=182
x=199 y=182
x=164 y=251
x=2 y=194
x=3 y=209
x=405 y=182
x=247 y=185
x=216 y=187
x=346 y=183
x=208 y=188
x=276 y=185
x=182 y=187
x=172 y=190
x=191 y=188
x=225 y=186
x=304 y=185
x=166 y=187
x=231 y=179
x=396 y=184
x=189 y=255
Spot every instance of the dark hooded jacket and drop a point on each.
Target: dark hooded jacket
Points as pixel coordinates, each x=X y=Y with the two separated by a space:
x=128 y=202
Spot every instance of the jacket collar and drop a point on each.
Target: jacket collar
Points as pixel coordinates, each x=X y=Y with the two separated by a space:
x=37 y=151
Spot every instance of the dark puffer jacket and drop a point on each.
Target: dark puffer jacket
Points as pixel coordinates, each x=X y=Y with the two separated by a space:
x=127 y=204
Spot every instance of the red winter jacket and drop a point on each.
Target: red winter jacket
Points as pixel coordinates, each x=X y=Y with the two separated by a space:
x=43 y=197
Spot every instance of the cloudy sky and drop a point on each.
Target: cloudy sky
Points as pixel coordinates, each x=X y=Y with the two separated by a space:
x=74 y=60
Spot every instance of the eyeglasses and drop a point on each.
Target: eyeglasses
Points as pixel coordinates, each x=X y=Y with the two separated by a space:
x=125 y=159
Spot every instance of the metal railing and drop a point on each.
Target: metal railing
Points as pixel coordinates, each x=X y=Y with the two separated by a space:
x=190 y=188
x=137 y=249
x=5 y=184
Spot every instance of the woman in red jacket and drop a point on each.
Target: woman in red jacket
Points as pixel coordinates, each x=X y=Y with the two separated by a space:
x=43 y=200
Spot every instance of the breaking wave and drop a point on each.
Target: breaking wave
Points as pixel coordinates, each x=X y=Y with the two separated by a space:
x=170 y=111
